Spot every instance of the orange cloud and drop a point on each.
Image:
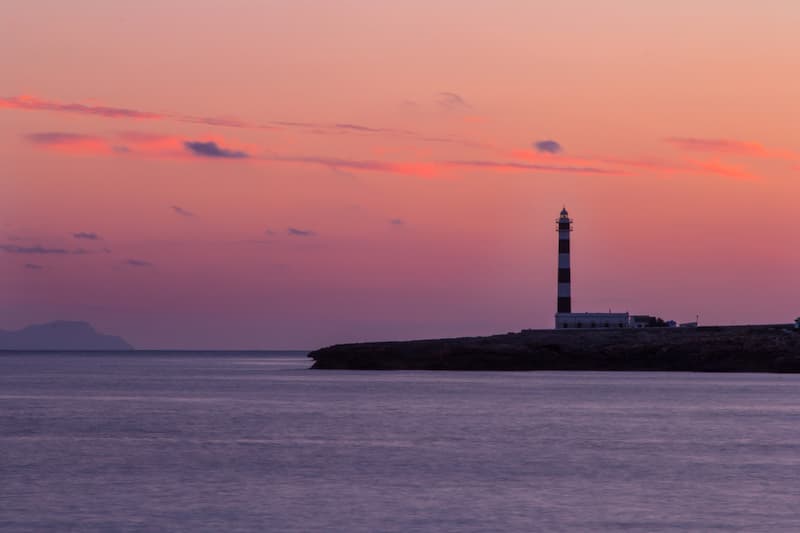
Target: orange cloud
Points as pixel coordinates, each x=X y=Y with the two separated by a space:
x=420 y=170
x=127 y=143
x=655 y=166
x=132 y=143
x=536 y=157
x=750 y=149
x=138 y=143
x=71 y=143
x=721 y=169
x=145 y=139
x=435 y=169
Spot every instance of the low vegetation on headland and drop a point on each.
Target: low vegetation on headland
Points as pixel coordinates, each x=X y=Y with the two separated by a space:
x=765 y=348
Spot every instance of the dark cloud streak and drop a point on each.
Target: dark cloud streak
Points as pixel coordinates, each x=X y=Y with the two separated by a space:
x=335 y=162
x=510 y=165
x=57 y=137
x=40 y=250
x=549 y=146
x=211 y=149
x=294 y=232
x=450 y=100
x=181 y=211
x=138 y=263
x=86 y=235
x=446 y=99
x=31 y=103
x=37 y=104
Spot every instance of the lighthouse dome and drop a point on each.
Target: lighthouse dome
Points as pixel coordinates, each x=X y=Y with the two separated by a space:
x=564 y=212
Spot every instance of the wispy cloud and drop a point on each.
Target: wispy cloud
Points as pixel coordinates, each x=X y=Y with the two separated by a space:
x=728 y=146
x=294 y=232
x=681 y=168
x=40 y=250
x=434 y=169
x=450 y=100
x=86 y=235
x=397 y=222
x=532 y=159
x=368 y=129
x=320 y=128
x=32 y=103
x=138 y=263
x=75 y=143
x=130 y=144
x=722 y=169
x=211 y=149
x=138 y=142
x=37 y=104
x=33 y=266
x=181 y=211
x=637 y=165
x=58 y=137
x=421 y=169
x=549 y=146
x=513 y=165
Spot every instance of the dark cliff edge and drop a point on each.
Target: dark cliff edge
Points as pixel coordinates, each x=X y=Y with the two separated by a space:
x=768 y=348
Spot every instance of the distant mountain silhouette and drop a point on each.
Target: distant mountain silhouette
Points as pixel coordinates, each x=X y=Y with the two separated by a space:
x=60 y=335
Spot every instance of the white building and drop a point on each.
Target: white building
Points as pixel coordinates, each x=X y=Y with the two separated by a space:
x=592 y=320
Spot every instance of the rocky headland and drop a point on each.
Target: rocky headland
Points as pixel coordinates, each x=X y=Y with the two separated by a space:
x=766 y=348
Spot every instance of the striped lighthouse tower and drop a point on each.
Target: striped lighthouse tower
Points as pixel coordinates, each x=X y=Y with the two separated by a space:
x=564 y=229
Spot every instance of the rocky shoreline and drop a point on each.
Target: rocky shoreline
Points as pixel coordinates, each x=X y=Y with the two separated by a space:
x=766 y=348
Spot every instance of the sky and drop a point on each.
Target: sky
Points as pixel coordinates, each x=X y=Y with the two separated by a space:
x=288 y=175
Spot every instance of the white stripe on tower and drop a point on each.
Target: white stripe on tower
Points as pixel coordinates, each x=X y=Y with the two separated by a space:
x=564 y=274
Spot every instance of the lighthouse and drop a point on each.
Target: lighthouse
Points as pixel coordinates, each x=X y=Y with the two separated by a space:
x=564 y=279
x=565 y=318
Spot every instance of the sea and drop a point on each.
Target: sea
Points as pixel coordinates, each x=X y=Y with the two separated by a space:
x=242 y=441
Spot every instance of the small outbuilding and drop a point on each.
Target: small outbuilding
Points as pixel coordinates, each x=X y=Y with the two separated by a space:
x=647 y=321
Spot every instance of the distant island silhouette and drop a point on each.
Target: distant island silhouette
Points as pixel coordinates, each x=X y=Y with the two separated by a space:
x=60 y=335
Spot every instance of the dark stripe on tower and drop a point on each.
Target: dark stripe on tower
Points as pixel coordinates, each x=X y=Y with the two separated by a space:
x=564 y=302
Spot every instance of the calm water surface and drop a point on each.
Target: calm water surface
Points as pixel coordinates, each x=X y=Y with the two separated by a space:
x=238 y=442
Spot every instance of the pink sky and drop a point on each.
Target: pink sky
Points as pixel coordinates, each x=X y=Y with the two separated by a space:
x=295 y=174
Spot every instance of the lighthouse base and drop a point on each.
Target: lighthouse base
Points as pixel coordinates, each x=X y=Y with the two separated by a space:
x=592 y=320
